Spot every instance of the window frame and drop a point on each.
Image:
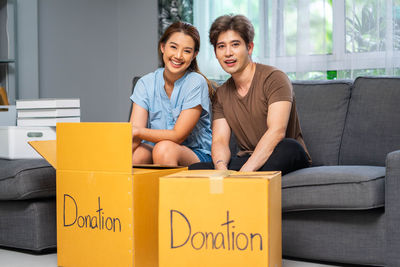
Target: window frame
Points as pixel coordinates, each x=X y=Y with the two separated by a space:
x=339 y=60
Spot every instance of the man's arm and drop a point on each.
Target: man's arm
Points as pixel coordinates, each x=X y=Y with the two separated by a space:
x=220 y=151
x=138 y=119
x=277 y=120
x=184 y=125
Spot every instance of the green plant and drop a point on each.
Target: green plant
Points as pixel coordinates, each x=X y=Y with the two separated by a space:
x=366 y=32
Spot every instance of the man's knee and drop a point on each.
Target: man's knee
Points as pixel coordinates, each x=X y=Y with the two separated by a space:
x=289 y=155
x=290 y=147
x=289 y=144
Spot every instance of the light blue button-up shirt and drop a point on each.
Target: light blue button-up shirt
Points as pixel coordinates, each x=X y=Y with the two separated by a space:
x=189 y=91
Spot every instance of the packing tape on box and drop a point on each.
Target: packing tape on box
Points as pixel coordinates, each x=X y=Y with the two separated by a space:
x=217 y=181
x=215 y=177
x=217 y=185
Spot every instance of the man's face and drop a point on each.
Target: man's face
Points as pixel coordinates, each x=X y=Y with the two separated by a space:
x=232 y=53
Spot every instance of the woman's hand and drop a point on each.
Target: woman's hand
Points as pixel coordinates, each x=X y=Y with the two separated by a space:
x=135 y=131
x=184 y=125
x=138 y=120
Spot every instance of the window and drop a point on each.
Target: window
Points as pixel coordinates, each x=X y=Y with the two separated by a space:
x=312 y=39
x=7 y=48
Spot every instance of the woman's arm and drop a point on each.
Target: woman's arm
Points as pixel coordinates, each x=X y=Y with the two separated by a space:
x=184 y=125
x=139 y=118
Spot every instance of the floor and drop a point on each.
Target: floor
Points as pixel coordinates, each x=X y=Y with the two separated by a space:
x=10 y=258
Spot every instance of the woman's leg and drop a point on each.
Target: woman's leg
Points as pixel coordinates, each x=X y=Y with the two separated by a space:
x=142 y=154
x=170 y=153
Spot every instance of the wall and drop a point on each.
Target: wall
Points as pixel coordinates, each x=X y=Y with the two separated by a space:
x=91 y=49
x=28 y=47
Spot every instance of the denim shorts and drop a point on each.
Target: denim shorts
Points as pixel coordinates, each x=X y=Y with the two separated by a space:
x=203 y=157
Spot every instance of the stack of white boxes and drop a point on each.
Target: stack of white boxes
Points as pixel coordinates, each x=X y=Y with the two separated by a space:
x=47 y=112
x=36 y=120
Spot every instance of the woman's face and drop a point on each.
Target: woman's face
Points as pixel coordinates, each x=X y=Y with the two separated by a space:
x=178 y=53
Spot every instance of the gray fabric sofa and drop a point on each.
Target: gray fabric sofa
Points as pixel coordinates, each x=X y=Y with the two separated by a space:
x=346 y=207
x=27 y=205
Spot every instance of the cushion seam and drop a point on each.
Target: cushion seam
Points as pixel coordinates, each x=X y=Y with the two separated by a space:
x=341 y=183
x=345 y=123
x=21 y=171
x=348 y=209
x=35 y=191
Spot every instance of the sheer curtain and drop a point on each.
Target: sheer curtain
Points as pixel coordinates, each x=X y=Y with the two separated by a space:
x=312 y=39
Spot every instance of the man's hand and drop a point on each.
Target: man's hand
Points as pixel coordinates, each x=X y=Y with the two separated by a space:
x=246 y=168
x=221 y=165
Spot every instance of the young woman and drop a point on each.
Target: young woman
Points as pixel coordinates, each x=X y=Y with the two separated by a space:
x=171 y=106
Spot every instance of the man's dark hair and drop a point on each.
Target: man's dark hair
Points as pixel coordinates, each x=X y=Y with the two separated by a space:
x=237 y=23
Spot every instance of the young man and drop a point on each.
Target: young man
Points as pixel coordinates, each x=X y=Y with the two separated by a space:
x=256 y=103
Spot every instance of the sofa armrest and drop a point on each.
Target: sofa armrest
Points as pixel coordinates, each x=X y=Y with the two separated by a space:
x=392 y=208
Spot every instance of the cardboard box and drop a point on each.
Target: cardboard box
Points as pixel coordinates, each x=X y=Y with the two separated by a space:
x=107 y=212
x=146 y=202
x=14 y=141
x=217 y=218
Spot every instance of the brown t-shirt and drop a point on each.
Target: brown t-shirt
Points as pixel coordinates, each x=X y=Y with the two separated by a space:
x=247 y=115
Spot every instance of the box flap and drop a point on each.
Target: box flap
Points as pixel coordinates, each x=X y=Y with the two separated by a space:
x=200 y=174
x=47 y=149
x=216 y=178
x=155 y=166
x=223 y=173
x=103 y=147
x=259 y=174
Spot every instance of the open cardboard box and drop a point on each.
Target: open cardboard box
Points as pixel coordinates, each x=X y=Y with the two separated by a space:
x=107 y=211
x=220 y=218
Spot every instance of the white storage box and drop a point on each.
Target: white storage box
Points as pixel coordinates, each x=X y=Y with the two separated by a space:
x=7 y=116
x=14 y=141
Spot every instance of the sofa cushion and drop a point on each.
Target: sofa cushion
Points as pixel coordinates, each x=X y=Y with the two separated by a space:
x=372 y=128
x=27 y=224
x=341 y=236
x=26 y=179
x=322 y=108
x=334 y=188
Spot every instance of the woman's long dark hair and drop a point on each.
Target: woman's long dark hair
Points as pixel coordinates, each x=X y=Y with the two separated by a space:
x=188 y=29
